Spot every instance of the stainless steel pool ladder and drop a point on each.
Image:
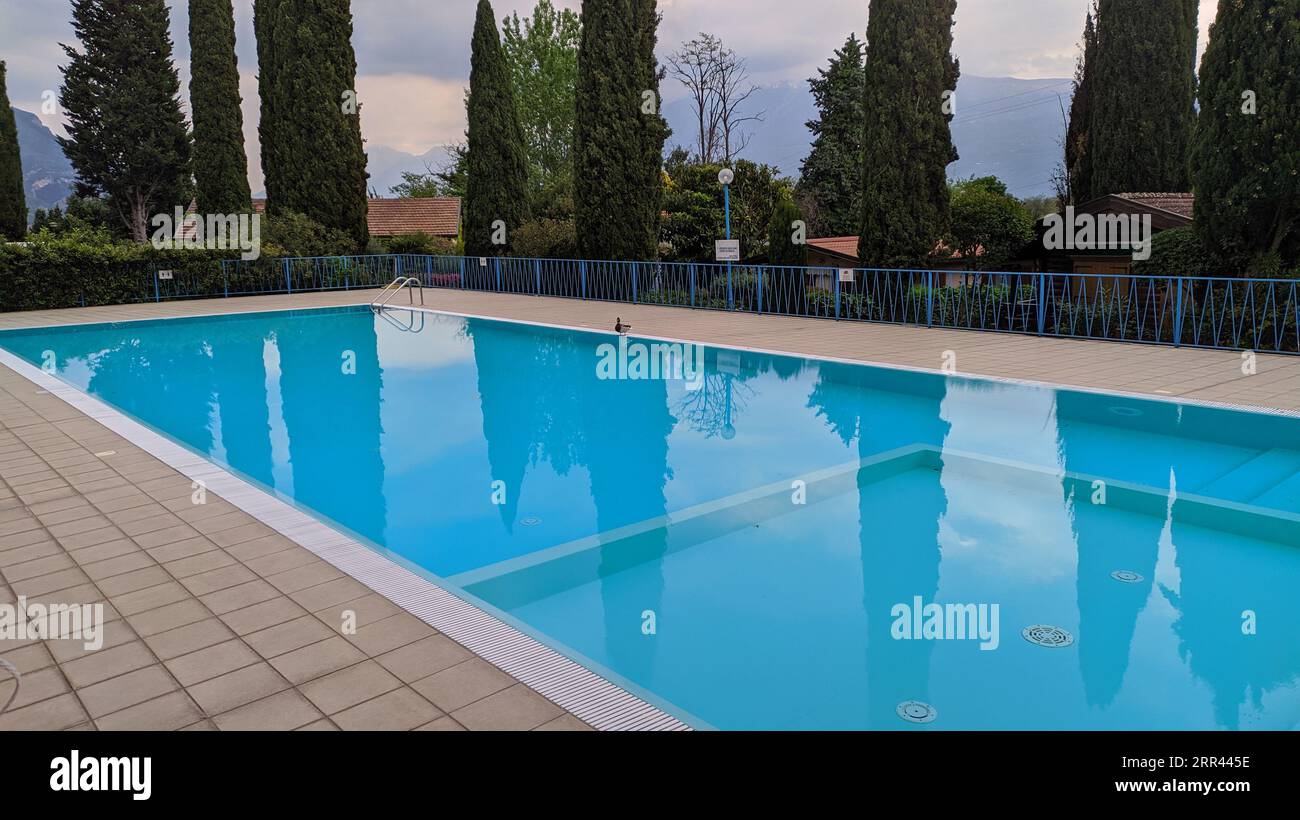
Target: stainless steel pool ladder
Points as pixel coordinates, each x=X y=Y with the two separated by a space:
x=394 y=288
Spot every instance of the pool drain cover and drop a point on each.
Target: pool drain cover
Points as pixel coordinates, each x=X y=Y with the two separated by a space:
x=530 y=521
x=914 y=711
x=1052 y=637
x=1127 y=576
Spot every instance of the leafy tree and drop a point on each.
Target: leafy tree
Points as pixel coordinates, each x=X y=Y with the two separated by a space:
x=541 y=54
x=988 y=225
x=1142 y=103
x=13 y=199
x=1078 y=164
x=619 y=133
x=220 y=164
x=693 y=203
x=1178 y=252
x=907 y=142
x=83 y=215
x=496 y=196
x=289 y=233
x=781 y=231
x=1247 y=149
x=312 y=152
x=831 y=177
x=127 y=137
x=546 y=238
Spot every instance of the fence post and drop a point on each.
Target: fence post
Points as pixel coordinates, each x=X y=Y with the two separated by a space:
x=635 y=265
x=692 y=284
x=288 y=281
x=760 y=289
x=582 y=274
x=731 y=301
x=397 y=266
x=1178 y=316
x=156 y=297
x=225 y=280
x=929 y=298
x=1042 y=303
x=835 y=277
x=496 y=262
x=462 y=273
x=537 y=275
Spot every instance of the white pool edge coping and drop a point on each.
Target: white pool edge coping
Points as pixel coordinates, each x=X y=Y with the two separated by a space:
x=563 y=681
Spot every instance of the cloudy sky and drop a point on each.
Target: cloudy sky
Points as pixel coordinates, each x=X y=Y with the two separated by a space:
x=413 y=55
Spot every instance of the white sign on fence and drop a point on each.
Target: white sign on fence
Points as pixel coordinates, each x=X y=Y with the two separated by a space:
x=482 y=261
x=164 y=274
x=846 y=275
x=728 y=250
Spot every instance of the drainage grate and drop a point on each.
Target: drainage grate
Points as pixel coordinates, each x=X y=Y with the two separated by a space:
x=914 y=711
x=530 y=521
x=1127 y=576
x=1052 y=637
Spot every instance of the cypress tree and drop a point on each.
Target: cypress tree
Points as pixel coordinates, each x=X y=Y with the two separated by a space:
x=832 y=174
x=1142 y=104
x=1078 y=163
x=312 y=152
x=781 y=247
x=13 y=200
x=127 y=137
x=907 y=141
x=497 y=161
x=1246 y=153
x=220 y=165
x=619 y=134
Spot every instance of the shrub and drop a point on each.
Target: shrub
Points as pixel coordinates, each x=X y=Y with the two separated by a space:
x=546 y=239
x=293 y=234
x=1177 y=252
x=419 y=244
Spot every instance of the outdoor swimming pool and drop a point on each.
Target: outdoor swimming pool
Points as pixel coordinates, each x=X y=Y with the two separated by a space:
x=738 y=546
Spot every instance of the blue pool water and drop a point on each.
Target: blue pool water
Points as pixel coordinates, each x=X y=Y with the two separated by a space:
x=654 y=531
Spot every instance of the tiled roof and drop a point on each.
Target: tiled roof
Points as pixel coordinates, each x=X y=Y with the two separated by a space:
x=847 y=246
x=436 y=216
x=1181 y=204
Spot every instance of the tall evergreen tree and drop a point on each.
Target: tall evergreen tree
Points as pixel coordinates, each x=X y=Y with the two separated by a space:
x=1143 y=102
x=782 y=249
x=312 y=152
x=1246 y=154
x=619 y=134
x=220 y=164
x=907 y=142
x=1078 y=163
x=496 y=196
x=13 y=200
x=127 y=137
x=831 y=177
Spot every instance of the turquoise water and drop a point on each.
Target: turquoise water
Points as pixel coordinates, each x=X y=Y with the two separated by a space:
x=656 y=532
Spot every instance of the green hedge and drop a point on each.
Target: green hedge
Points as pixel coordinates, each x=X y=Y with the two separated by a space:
x=58 y=273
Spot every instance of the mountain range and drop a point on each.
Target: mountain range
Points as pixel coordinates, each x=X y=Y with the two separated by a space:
x=1003 y=126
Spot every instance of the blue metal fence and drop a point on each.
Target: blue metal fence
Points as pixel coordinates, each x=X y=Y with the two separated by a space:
x=1214 y=312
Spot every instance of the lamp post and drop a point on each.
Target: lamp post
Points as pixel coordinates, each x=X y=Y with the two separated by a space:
x=726 y=176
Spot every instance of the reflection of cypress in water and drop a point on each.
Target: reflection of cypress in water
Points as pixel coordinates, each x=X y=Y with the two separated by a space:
x=240 y=383
x=1216 y=587
x=627 y=456
x=169 y=384
x=900 y=554
x=343 y=473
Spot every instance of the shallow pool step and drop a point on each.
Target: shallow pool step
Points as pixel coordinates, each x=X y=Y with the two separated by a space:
x=1283 y=496
x=1255 y=479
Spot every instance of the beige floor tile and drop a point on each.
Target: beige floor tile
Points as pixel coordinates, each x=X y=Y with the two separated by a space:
x=515 y=709
x=399 y=710
x=348 y=687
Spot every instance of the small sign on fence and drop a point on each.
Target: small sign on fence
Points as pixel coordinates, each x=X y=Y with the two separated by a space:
x=728 y=250
x=846 y=275
x=164 y=274
x=482 y=261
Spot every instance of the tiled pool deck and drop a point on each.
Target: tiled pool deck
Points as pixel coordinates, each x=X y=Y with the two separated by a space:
x=217 y=621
